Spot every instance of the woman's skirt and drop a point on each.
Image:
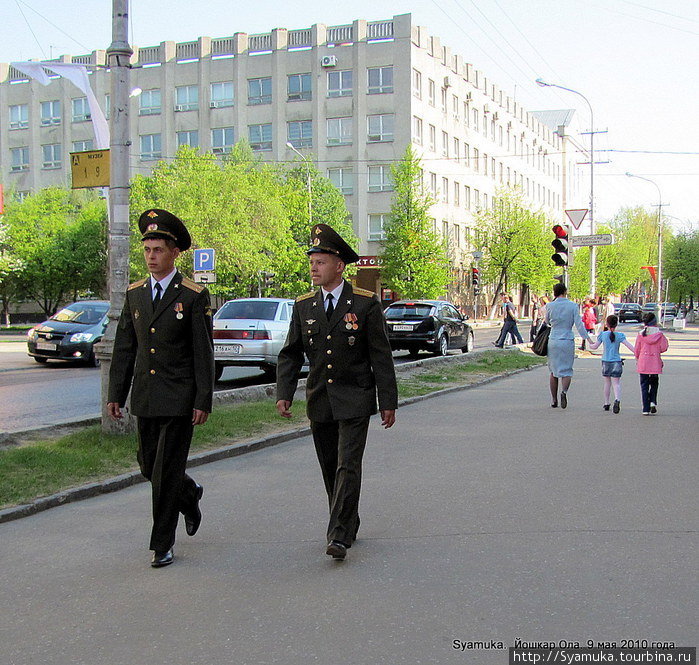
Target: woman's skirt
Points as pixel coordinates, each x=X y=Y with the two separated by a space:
x=561 y=356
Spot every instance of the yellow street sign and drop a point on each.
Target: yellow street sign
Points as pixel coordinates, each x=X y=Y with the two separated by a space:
x=90 y=168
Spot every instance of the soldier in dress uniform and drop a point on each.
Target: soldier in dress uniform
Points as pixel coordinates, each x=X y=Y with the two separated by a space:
x=343 y=332
x=164 y=343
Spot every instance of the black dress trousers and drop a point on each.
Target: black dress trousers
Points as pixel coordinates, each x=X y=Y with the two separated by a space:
x=163 y=447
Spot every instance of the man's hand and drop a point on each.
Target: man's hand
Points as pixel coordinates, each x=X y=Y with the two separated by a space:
x=388 y=417
x=114 y=411
x=199 y=417
x=284 y=408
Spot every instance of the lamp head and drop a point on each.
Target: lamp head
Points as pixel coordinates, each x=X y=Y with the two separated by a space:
x=542 y=83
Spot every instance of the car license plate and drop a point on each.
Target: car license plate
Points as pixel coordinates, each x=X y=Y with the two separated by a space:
x=45 y=346
x=402 y=328
x=227 y=348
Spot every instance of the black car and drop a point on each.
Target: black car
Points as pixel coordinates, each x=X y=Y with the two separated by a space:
x=432 y=325
x=630 y=311
x=70 y=334
x=668 y=309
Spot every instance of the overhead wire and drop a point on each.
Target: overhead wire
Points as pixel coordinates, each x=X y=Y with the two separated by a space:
x=87 y=48
x=38 y=43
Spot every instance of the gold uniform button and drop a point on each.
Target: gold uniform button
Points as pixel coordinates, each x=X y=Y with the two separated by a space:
x=152 y=330
x=329 y=337
x=152 y=350
x=330 y=366
x=152 y=371
x=330 y=380
x=329 y=352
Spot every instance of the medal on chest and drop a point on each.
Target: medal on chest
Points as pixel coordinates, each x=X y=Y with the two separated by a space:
x=179 y=309
x=351 y=321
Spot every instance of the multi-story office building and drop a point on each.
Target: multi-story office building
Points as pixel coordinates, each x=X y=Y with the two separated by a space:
x=349 y=97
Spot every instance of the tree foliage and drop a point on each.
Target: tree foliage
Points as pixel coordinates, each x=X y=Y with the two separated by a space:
x=414 y=259
x=516 y=244
x=682 y=266
x=254 y=215
x=58 y=236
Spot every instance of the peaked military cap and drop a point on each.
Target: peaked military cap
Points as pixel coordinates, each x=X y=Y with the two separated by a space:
x=157 y=223
x=325 y=239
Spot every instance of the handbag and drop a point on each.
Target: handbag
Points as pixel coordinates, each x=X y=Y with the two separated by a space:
x=540 y=345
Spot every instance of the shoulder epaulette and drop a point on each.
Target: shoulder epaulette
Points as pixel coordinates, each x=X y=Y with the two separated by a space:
x=135 y=285
x=192 y=286
x=305 y=296
x=363 y=292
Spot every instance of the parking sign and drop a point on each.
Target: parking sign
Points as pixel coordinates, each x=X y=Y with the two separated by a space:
x=204 y=260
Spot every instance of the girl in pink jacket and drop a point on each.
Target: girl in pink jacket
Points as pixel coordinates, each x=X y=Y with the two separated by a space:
x=650 y=343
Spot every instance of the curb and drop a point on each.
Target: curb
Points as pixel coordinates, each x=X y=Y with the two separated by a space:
x=134 y=477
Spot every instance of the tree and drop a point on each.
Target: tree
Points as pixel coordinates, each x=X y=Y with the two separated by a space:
x=682 y=266
x=10 y=267
x=414 y=260
x=59 y=235
x=516 y=243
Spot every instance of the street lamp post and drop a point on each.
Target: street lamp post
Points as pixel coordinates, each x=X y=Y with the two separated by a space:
x=308 y=180
x=593 y=249
x=659 y=270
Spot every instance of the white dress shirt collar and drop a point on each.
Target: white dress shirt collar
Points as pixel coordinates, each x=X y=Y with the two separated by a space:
x=336 y=292
x=164 y=283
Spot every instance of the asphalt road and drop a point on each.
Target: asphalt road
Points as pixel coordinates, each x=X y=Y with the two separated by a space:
x=33 y=395
x=486 y=515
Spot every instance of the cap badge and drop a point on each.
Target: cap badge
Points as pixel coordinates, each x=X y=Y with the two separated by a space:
x=152 y=227
x=152 y=213
x=317 y=231
x=310 y=321
x=316 y=242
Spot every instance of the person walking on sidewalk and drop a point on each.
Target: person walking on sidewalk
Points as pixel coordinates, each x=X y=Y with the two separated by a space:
x=562 y=314
x=612 y=365
x=342 y=331
x=589 y=318
x=650 y=343
x=509 y=324
x=164 y=343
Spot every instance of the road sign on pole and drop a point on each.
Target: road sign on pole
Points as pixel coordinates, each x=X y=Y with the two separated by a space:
x=89 y=168
x=205 y=277
x=576 y=217
x=204 y=260
x=593 y=240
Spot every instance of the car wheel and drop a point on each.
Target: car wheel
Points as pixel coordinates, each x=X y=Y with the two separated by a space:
x=442 y=345
x=92 y=360
x=469 y=343
x=39 y=359
x=219 y=370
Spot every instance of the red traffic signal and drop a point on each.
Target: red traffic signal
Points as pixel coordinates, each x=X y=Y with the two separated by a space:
x=560 y=244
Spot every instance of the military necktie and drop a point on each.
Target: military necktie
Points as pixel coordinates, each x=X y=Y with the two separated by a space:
x=330 y=309
x=158 y=293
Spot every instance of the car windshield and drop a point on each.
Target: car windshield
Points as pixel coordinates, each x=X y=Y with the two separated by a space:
x=81 y=312
x=409 y=311
x=248 y=309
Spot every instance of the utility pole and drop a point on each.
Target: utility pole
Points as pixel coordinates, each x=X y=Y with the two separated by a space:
x=119 y=61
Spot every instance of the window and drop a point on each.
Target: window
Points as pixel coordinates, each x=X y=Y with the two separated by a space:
x=477 y=198
x=82 y=146
x=485 y=163
x=445 y=228
x=298 y=87
x=150 y=146
x=456 y=154
x=476 y=160
x=457 y=236
x=444 y=100
x=445 y=144
x=300 y=133
x=467 y=236
x=81 y=110
x=340 y=83
x=380 y=179
x=339 y=131
x=51 y=156
x=260 y=91
x=455 y=108
x=20 y=159
x=380 y=127
x=485 y=200
x=433 y=184
x=377 y=226
x=19 y=116
x=190 y=138
x=433 y=138
x=149 y=102
x=467 y=153
x=475 y=119
x=51 y=113
x=492 y=168
x=380 y=80
x=417 y=130
x=222 y=140
x=186 y=98
x=221 y=94
x=342 y=179
x=260 y=136
x=445 y=190
x=431 y=94
x=457 y=193
x=467 y=197
x=417 y=84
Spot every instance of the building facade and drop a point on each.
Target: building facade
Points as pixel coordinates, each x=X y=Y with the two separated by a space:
x=351 y=98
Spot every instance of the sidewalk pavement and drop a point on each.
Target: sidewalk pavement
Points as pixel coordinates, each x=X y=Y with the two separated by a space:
x=486 y=515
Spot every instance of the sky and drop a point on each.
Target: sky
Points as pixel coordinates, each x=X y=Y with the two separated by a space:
x=634 y=60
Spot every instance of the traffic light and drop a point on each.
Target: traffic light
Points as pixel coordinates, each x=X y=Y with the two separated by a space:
x=560 y=244
x=475 y=280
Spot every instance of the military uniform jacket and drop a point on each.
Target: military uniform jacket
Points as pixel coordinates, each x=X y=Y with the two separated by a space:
x=350 y=357
x=167 y=352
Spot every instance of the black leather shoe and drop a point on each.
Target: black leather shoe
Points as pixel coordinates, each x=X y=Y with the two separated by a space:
x=161 y=559
x=192 y=519
x=564 y=401
x=336 y=550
